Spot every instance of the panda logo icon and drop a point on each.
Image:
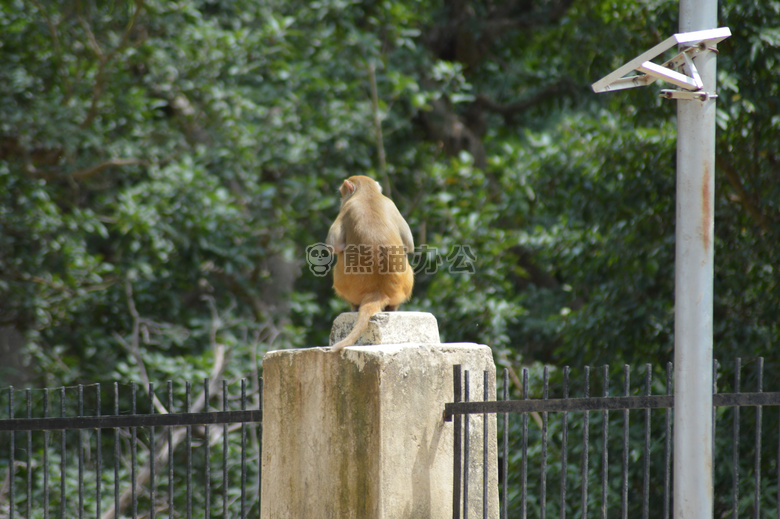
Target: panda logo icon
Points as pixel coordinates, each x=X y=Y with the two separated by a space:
x=320 y=258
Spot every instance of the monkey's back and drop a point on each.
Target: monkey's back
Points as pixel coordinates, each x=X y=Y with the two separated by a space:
x=374 y=258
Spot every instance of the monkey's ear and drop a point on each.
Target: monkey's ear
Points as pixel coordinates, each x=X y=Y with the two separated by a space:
x=346 y=189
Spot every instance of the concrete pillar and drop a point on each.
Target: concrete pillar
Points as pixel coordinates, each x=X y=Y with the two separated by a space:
x=360 y=433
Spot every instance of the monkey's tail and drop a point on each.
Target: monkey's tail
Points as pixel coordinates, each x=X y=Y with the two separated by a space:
x=371 y=304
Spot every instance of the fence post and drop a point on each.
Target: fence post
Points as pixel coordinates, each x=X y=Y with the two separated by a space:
x=361 y=433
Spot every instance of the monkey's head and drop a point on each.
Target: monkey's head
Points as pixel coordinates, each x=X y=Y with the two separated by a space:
x=358 y=183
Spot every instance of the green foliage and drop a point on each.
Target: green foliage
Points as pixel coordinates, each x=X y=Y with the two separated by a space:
x=163 y=167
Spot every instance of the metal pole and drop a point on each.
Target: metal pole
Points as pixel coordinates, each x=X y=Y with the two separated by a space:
x=693 y=488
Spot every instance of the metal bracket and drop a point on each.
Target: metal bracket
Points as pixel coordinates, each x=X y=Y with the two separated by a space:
x=687 y=96
x=679 y=71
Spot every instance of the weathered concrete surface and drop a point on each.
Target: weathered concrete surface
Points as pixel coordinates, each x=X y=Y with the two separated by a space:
x=359 y=434
x=389 y=328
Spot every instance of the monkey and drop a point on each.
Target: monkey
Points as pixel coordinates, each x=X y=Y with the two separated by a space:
x=370 y=239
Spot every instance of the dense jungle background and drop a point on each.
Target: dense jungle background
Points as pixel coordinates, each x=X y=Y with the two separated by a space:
x=164 y=165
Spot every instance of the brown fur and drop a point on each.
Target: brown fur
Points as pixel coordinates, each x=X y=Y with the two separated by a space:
x=375 y=238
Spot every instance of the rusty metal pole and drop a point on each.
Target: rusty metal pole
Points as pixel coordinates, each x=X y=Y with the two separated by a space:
x=693 y=487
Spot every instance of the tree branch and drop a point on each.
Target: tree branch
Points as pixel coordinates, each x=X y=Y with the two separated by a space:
x=380 y=146
x=178 y=435
x=105 y=59
x=741 y=193
x=57 y=49
x=85 y=174
x=519 y=385
x=510 y=110
x=134 y=345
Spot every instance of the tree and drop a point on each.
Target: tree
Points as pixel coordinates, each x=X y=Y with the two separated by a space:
x=164 y=166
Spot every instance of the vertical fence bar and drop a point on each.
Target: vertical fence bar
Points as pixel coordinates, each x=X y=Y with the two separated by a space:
x=187 y=403
x=735 y=445
x=133 y=452
x=543 y=489
x=456 y=429
x=524 y=467
x=715 y=367
x=466 y=446
x=46 y=457
x=604 y=446
x=624 y=471
x=505 y=453
x=564 y=444
x=757 y=469
x=11 y=457
x=224 y=451
x=585 y=441
x=485 y=384
x=63 y=457
x=668 y=446
x=98 y=456
x=260 y=448
x=29 y=455
x=243 y=451
x=170 y=453
x=80 y=446
x=646 y=457
x=206 y=453
x=152 y=457
x=116 y=453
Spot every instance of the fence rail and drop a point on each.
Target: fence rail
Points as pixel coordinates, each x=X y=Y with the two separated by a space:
x=135 y=420
x=623 y=468
x=617 y=403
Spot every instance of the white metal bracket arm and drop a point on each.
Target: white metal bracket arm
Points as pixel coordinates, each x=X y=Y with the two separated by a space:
x=679 y=71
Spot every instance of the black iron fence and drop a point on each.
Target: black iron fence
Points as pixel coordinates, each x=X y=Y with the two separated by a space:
x=565 y=455
x=577 y=449
x=108 y=451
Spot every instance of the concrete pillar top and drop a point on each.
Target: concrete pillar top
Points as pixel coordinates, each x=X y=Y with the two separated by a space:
x=389 y=328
